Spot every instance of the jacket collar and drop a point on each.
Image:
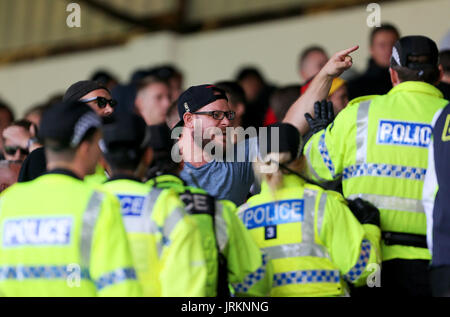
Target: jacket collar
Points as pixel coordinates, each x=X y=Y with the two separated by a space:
x=63 y=171
x=417 y=86
x=289 y=180
x=167 y=178
x=121 y=177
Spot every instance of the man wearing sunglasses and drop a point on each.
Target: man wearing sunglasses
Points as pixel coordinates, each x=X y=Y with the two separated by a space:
x=19 y=140
x=98 y=98
x=94 y=95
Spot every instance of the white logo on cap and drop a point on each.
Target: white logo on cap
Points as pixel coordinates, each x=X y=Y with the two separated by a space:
x=186 y=107
x=395 y=56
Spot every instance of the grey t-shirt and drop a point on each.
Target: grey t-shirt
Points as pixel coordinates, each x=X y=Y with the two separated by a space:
x=228 y=179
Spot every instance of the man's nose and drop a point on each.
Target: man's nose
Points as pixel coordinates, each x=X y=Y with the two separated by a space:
x=108 y=110
x=17 y=155
x=225 y=122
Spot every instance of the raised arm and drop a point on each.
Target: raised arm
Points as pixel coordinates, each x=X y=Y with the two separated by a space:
x=318 y=89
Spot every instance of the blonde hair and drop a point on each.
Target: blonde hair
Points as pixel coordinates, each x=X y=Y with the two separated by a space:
x=268 y=168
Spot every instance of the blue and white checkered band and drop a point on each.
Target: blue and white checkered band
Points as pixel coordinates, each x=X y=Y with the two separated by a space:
x=89 y=120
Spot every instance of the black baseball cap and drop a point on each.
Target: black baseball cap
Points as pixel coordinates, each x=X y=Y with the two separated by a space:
x=288 y=140
x=68 y=122
x=197 y=97
x=81 y=88
x=126 y=130
x=415 y=45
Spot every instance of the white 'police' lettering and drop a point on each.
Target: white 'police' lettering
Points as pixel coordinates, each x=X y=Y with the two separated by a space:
x=404 y=133
x=37 y=231
x=131 y=205
x=198 y=203
x=274 y=213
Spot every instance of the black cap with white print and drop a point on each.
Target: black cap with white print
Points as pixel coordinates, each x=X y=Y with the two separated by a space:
x=67 y=123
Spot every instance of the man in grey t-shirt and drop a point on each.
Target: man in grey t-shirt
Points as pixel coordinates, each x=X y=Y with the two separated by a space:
x=225 y=179
x=204 y=118
x=205 y=108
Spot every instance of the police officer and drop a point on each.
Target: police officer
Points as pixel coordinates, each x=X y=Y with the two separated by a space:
x=232 y=256
x=379 y=146
x=436 y=202
x=165 y=242
x=60 y=236
x=316 y=244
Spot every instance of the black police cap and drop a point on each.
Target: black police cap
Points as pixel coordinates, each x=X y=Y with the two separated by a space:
x=415 y=45
x=126 y=129
x=68 y=122
x=160 y=137
x=288 y=140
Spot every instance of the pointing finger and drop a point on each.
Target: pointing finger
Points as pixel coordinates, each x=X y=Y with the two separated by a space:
x=347 y=51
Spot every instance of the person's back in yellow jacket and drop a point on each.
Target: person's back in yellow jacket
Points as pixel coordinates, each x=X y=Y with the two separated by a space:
x=165 y=242
x=233 y=258
x=315 y=243
x=60 y=236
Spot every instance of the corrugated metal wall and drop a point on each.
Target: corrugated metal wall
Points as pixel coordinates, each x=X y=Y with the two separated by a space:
x=31 y=23
x=41 y=24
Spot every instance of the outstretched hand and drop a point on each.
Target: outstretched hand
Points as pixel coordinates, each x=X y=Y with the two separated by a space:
x=339 y=62
x=318 y=89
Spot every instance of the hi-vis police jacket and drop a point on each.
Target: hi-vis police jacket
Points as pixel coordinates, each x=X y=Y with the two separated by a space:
x=98 y=178
x=312 y=239
x=379 y=144
x=165 y=243
x=61 y=237
x=248 y=271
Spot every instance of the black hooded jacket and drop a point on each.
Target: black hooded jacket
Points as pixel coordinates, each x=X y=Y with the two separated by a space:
x=375 y=81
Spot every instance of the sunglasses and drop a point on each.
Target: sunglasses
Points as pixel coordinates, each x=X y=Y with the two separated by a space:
x=219 y=115
x=11 y=150
x=101 y=101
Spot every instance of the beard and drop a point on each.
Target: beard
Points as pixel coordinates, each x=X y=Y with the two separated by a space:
x=214 y=145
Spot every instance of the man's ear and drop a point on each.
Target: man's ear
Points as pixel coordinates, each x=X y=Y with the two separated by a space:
x=302 y=75
x=83 y=149
x=188 y=119
x=441 y=74
x=394 y=77
x=148 y=156
x=33 y=130
x=103 y=163
x=138 y=105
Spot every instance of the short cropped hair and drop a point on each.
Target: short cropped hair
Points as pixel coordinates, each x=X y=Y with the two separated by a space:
x=383 y=27
x=305 y=53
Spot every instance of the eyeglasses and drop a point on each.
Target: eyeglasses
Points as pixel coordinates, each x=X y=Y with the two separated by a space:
x=219 y=115
x=101 y=101
x=11 y=150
